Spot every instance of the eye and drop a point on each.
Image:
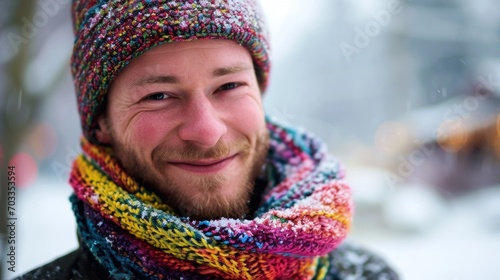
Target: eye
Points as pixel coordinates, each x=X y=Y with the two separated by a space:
x=157 y=96
x=229 y=86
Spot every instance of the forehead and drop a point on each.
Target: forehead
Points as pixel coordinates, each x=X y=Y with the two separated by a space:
x=195 y=45
x=197 y=53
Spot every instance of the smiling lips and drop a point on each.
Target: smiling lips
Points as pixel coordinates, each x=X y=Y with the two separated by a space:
x=204 y=165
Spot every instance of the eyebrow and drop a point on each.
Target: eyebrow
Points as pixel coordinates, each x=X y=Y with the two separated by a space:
x=231 y=70
x=170 y=79
x=156 y=80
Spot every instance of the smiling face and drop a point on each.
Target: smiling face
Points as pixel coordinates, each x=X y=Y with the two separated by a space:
x=186 y=119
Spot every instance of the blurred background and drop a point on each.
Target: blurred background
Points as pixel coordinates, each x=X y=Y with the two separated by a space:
x=405 y=93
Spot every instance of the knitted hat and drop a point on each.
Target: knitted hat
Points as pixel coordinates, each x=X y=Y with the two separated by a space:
x=110 y=33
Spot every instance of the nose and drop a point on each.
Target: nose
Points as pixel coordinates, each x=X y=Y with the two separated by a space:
x=201 y=123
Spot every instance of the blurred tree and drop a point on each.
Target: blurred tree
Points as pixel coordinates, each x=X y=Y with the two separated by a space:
x=20 y=105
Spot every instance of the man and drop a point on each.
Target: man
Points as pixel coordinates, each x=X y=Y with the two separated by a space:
x=182 y=176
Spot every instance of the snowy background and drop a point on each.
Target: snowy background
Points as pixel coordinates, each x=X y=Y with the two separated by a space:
x=405 y=93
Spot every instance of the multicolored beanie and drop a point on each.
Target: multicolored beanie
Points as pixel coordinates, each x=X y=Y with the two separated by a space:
x=110 y=33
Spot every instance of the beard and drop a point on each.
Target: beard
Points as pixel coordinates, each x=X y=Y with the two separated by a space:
x=209 y=201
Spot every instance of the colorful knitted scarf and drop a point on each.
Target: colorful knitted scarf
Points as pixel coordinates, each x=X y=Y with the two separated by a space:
x=304 y=214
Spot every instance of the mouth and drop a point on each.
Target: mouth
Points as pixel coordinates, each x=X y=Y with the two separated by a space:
x=203 y=166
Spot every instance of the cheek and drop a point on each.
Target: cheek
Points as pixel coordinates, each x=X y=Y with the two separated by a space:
x=145 y=131
x=248 y=116
x=148 y=130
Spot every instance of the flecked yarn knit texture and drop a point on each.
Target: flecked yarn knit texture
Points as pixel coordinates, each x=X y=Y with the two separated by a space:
x=110 y=33
x=304 y=214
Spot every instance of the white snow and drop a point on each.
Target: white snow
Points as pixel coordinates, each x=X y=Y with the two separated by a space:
x=46 y=225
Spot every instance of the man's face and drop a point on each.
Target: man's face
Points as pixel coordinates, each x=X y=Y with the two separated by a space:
x=186 y=119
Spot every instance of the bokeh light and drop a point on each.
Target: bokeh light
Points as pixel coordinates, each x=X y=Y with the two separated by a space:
x=452 y=136
x=495 y=138
x=26 y=169
x=491 y=136
x=43 y=140
x=498 y=126
x=392 y=138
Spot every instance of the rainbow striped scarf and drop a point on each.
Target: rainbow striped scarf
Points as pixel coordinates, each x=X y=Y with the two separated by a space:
x=304 y=214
